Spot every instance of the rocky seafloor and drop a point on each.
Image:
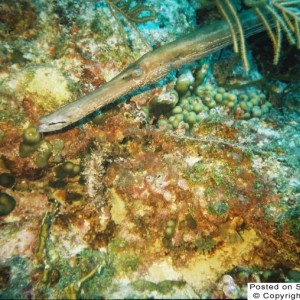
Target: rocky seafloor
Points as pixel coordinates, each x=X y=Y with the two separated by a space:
x=187 y=189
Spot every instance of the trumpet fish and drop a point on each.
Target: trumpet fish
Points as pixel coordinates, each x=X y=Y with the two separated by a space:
x=149 y=68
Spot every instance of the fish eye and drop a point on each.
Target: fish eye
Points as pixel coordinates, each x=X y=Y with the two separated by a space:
x=137 y=72
x=134 y=73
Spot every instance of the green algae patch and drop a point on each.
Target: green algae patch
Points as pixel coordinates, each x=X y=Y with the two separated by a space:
x=163 y=287
x=72 y=273
x=125 y=260
x=10 y=111
x=15 y=278
x=219 y=208
x=196 y=173
x=290 y=219
x=205 y=245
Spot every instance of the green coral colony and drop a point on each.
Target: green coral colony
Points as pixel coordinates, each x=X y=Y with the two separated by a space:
x=7 y=204
x=67 y=169
x=192 y=101
x=7 y=180
x=32 y=144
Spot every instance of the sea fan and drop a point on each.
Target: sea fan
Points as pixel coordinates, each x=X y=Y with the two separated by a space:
x=133 y=12
x=284 y=15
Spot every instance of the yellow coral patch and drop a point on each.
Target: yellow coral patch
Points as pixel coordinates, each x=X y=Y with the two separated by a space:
x=118 y=209
x=50 y=88
x=204 y=270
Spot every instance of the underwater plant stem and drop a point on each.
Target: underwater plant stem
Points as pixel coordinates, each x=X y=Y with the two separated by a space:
x=276 y=42
x=151 y=67
x=282 y=24
x=241 y=34
x=41 y=251
x=231 y=27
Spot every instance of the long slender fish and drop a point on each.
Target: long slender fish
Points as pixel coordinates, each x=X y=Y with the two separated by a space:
x=150 y=68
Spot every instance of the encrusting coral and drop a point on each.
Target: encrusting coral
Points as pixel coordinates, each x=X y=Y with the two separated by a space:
x=195 y=100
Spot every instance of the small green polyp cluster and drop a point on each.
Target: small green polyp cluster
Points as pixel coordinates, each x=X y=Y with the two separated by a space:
x=31 y=139
x=252 y=105
x=196 y=100
x=33 y=144
x=43 y=154
x=169 y=233
x=67 y=169
x=170 y=228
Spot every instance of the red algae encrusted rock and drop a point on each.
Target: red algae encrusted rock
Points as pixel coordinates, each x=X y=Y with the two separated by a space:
x=205 y=185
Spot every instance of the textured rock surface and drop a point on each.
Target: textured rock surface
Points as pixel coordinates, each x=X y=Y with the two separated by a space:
x=121 y=206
